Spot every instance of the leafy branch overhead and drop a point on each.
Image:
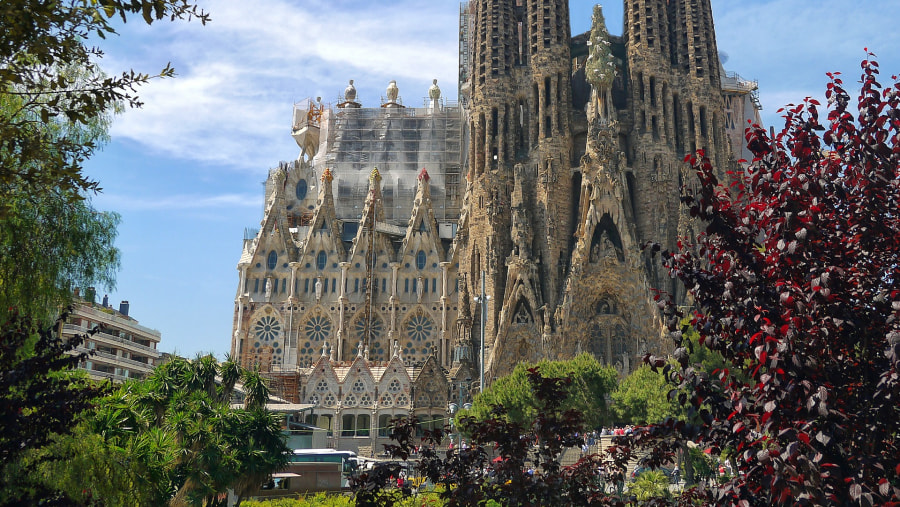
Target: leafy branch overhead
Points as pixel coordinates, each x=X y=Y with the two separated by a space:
x=48 y=74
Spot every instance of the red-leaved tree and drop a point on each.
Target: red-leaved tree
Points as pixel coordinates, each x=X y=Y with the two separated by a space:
x=796 y=282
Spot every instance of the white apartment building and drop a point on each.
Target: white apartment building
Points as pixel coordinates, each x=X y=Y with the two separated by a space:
x=122 y=348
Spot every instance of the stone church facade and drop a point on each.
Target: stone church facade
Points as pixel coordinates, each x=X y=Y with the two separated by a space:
x=537 y=188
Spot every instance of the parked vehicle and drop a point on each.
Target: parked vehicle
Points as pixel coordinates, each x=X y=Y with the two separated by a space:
x=310 y=471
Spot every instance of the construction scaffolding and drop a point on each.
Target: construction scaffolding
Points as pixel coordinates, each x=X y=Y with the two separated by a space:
x=734 y=83
x=400 y=142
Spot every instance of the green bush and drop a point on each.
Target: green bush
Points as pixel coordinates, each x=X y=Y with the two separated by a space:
x=429 y=499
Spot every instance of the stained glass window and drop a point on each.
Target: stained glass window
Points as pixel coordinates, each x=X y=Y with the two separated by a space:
x=420 y=259
x=301 y=189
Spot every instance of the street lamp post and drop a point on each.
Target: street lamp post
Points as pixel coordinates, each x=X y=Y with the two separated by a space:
x=462 y=395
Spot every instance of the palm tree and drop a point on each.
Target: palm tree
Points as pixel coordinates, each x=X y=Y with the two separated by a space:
x=178 y=429
x=256 y=390
x=650 y=484
x=230 y=372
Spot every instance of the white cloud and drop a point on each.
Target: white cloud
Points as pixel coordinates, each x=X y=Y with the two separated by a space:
x=239 y=75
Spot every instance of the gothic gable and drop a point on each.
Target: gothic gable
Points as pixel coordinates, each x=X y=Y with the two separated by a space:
x=322 y=386
x=422 y=234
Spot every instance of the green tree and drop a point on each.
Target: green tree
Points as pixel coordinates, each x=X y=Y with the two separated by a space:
x=173 y=439
x=50 y=244
x=55 y=109
x=40 y=397
x=50 y=240
x=643 y=398
x=591 y=384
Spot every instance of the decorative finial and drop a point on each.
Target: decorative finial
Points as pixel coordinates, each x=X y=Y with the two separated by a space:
x=423 y=175
x=327 y=177
x=375 y=177
x=359 y=349
x=392 y=91
x=350 y=92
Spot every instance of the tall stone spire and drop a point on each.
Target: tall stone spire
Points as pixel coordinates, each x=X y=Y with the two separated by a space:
x=520 y=114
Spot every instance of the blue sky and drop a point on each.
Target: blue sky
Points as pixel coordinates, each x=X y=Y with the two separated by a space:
x=186 y=171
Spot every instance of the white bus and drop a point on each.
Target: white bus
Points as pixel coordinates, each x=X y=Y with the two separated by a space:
x=310 y=471
x=327 y=459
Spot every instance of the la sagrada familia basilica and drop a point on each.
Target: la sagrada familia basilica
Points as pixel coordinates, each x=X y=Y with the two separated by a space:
x=404 y=237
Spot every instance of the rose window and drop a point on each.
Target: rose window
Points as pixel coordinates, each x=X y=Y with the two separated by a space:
x=402 y=400
x=350 y=400
x=386 y=400
x=365 y=401
x=322 y=386
x=419 y=330
x=394 y=386
x=376 y=331
x=267 y=329
x=359 y=386
x=330 y=400
x=317 y=328
x=314 y=399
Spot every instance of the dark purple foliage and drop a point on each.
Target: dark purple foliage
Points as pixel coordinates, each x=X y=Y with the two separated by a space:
x=796 y=282
x=36 y=400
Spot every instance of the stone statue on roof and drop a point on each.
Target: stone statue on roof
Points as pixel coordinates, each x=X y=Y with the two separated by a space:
x=434 y=92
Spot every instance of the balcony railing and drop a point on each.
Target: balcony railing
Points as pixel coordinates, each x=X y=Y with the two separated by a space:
x=104 y=375
x=115 y=340
x=115 y=360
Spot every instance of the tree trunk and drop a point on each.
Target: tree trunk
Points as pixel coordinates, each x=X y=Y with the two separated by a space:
x=687 y=465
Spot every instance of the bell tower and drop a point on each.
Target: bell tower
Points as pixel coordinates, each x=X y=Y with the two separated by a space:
x=550 y=67
x=519 y=116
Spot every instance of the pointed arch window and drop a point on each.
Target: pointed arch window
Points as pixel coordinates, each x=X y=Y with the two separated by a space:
x=321 y=260
x=421 y=258
x=384 y=423
x=272 y=260
x=301 y=189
